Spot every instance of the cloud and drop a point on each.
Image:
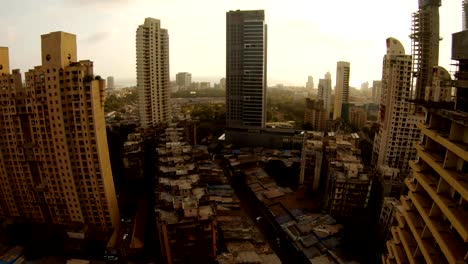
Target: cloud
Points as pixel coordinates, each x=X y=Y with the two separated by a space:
x=98 y=37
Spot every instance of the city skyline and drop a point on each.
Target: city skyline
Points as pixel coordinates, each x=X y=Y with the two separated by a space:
x=315 y=35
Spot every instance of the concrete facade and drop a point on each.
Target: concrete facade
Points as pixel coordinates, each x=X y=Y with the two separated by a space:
x=397 y=127
x=54 y=160
x=4 y=61
x=153 y=83
x=341 y=88
x=246 y=69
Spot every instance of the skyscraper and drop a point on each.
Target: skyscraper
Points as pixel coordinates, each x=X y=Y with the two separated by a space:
x=246 y=69
x=393 y=143
x=324 y=93
x=465 y=14
x=54 y=159
x=432 y=223
x=110 y=82
x=425 y=45
x=153 y=84
x=310 y=84
x=342 y=87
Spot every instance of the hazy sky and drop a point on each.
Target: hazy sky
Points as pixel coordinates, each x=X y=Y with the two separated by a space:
x=305 y=37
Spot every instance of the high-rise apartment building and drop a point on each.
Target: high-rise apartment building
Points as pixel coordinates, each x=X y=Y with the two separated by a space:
x=376 y=88
x=183 y=79
x=324 y=92
x=341 y=88
x=110 y=82
x=465 y=14
x=397 y=131
x=424 y=45
x=153 y=84
x=54 y=159
x=432 y=223
x=246 y=69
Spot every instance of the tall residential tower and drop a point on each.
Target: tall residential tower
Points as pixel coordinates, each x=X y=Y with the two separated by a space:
x=54 y=159
x=397 y=131
x=324 y=92
x=341 y=88
x=246 y=69
x=153 y=84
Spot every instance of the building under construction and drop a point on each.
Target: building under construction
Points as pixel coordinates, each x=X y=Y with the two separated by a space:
x=433 y=224
x=424 y=45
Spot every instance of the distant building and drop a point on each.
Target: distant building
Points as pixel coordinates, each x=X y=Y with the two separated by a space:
x=183 y=80
x=393 y=143
x=246 y=69
x=315 y=114
x=348 y=181
x=441 y=88
x=465 y=15
x=222 y=83
x=365 y=86
x=153 y=83
x=391 y=207
x=54 y=159
x=110 y=82
x=390 y=181
x=341 y=88
x=310 y=84
x=205 y=85
x=357 y=116
x=324 y=93
x=311 y=161
x=376 y=88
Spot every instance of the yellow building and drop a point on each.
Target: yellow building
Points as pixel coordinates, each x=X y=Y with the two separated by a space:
x=433 y=218
x=54 y=159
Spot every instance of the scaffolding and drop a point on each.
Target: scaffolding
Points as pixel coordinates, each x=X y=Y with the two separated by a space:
x=424 y=46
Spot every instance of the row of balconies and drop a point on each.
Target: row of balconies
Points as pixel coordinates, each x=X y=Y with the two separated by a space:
x=428 y=224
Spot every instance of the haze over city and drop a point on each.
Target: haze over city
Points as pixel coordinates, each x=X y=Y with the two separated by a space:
x=304 y=38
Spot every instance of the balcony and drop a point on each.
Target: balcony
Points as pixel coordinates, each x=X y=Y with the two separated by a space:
x=453 y=251
x=410 y=246
x=459 y=148
x=456 y=215
x=431 y=255
x=397 y=252
x=453 y=178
